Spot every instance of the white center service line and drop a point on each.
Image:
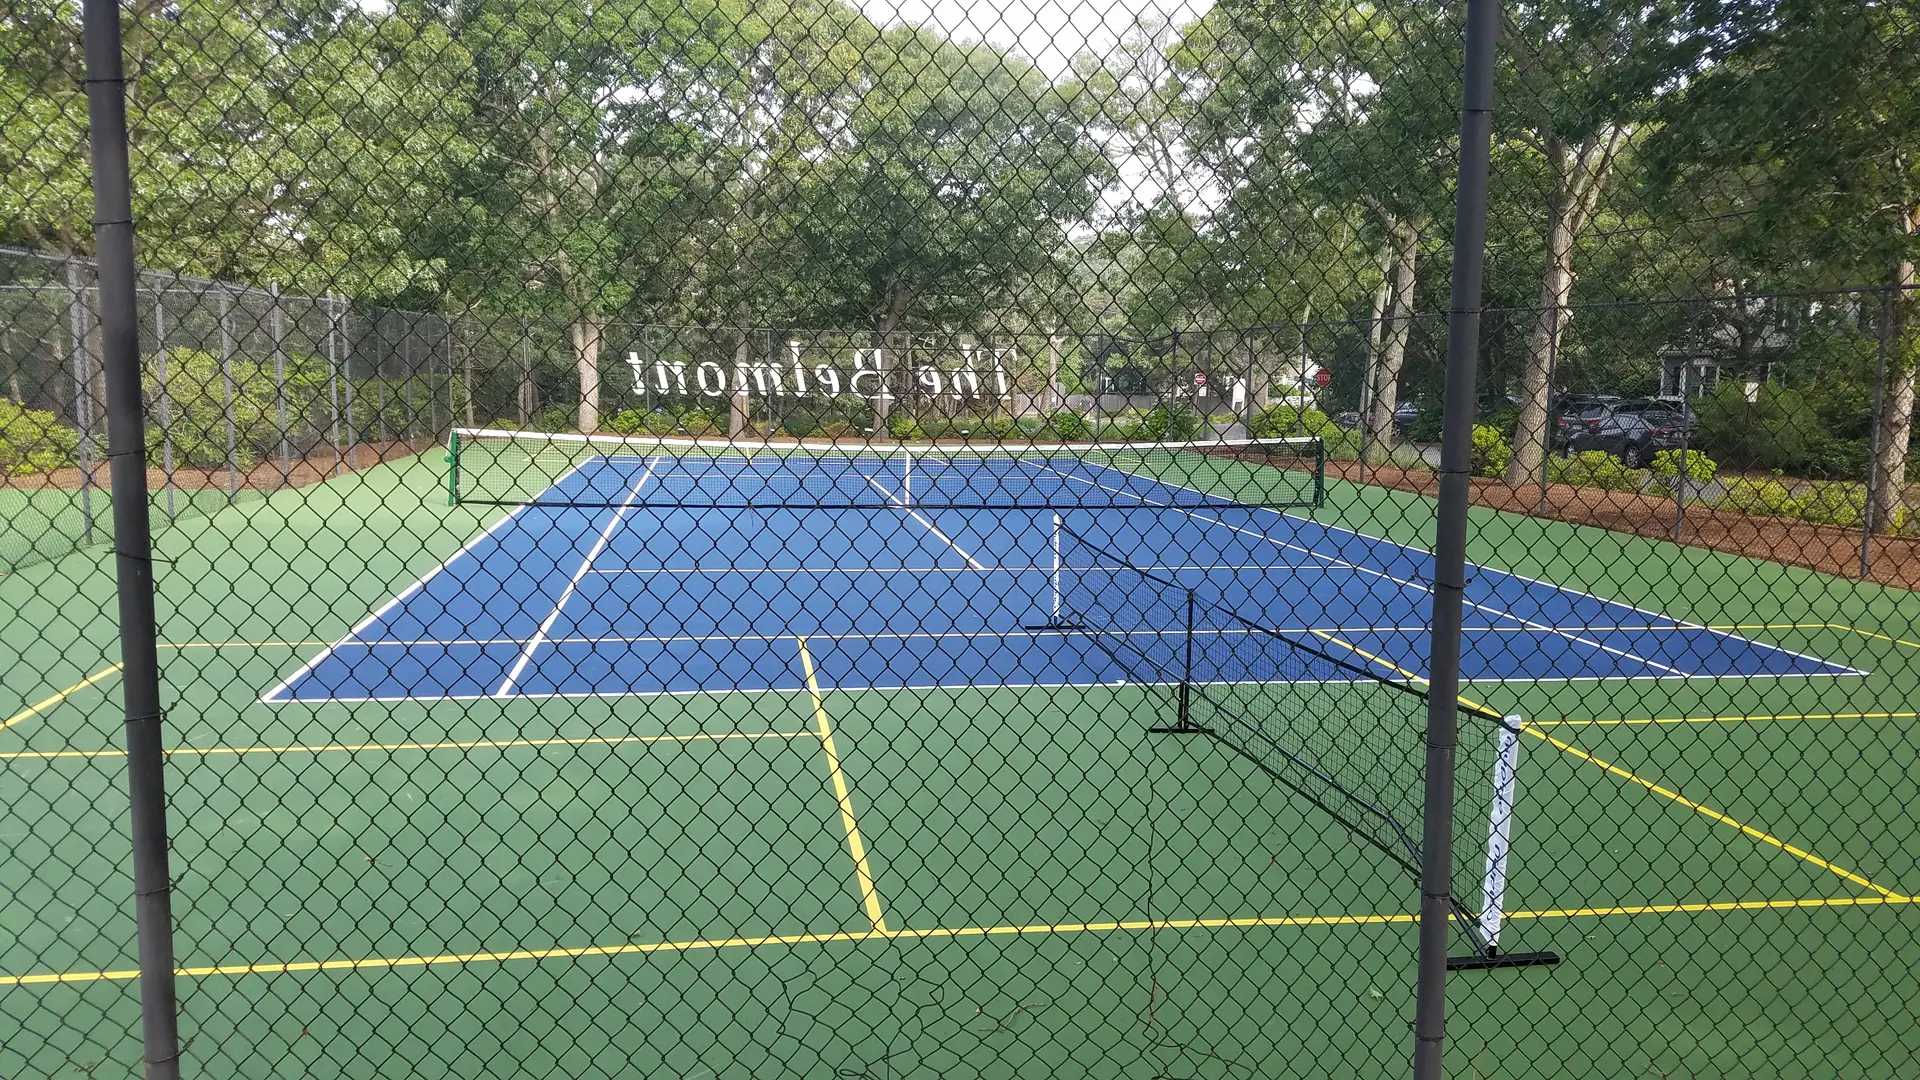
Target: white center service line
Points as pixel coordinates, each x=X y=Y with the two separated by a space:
x=573 y=584
x=972 y=562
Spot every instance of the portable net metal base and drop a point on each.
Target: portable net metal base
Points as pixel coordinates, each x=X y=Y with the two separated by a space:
x=520 y=467
x=1324 y=724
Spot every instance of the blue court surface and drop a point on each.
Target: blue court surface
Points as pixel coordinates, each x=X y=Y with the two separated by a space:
x=628 y=597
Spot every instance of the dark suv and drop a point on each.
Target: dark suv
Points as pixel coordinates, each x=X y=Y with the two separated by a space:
x=1578 y=412
x=1633 y=437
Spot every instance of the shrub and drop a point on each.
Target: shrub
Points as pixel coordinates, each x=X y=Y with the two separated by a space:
x=1767 y=495
x=1491 y=451
x=556 y=418
x=1594 y=469
x=1666 y=467
x=1170 y=422
x=1778 y=430
x=1068 y=425
x=996 y=427
x=904 y=426
x=34 y=441
x=1284 y=421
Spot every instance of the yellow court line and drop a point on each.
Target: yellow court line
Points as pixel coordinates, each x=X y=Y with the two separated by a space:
x=241 y=644
x=843 y=793
x=44 y=704
x=642 y=948
x=1817 y=626
x=1715 y=815
x=1662 y=721
x=1664 y=792
x=378 y=747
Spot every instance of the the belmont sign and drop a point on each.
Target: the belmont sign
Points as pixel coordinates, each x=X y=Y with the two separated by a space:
x=971 y=371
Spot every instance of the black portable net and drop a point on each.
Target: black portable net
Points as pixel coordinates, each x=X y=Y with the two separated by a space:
x=1310 y=712
x=521 y=467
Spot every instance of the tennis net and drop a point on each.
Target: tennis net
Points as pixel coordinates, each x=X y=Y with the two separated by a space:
x=558 y=469
x=1320 y=723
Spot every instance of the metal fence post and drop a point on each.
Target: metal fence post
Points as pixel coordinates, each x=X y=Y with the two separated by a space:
x=333 y=387
x=227 y=395
x=133 y=542
x=165 y=395
x=1450 y=538
x=82 y=395
x=1867 y=524
x=278 y=327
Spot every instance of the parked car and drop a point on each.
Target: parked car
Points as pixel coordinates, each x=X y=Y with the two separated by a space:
x=1659 y=411
x=1578 y=412
x=1633 y=437
x=1405 y=415
x=1346 y=421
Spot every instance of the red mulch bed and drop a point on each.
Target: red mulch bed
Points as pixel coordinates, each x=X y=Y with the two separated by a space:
x=1829 y=549
x=267 y=475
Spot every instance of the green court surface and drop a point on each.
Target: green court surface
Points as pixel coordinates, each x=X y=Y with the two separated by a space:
x=927 y=882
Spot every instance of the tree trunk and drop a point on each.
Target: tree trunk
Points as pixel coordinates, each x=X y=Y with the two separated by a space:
x=737 y=404
x=1896 y=406
x=1404 y=235
x=1543 y=345
x=1578 y=175
x=585 y=332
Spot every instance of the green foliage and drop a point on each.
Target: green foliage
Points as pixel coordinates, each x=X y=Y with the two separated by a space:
x=1595 y=469
x=1002 y=428
x=1778 y=430
x=1170 y=423
x=1666 y=467
x=1817 y=502
x=556 y=418
x=1491 y=450
x=34 y=441
x=903 y=426
x=644 y=422
x=1284 y=421
x=201 y=403
x=1066 y=425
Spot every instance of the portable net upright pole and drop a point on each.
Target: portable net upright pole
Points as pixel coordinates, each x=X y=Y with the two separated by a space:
x=1450 y=538
x=133 y=542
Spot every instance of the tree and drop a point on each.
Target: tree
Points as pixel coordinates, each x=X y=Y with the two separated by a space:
x=1809 y=111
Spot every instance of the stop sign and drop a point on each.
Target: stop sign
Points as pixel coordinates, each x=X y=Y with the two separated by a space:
x=1323 y=377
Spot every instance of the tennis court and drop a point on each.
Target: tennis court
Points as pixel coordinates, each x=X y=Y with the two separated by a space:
x=692 y=573
x=736 y=798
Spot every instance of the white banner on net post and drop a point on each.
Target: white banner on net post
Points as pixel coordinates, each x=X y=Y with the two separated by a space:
x=1493 y=886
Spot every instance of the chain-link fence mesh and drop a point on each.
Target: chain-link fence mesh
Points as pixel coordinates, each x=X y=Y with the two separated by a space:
x=838 y=539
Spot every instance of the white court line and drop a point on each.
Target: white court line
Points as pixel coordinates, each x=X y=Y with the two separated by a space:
x=909 y=635
x=759 y=691
x=1402 y=582
x=1515 y=575
x=930 y=526
x=412 y=588
x=796 y=571
x=573 y=584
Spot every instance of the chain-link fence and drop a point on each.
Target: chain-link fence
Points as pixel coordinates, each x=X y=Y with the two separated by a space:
x=839 y=540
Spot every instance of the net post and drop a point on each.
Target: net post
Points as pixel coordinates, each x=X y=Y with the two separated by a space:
x=1319 y=472
x=1055 y=578
x=1185 y=719
x=453 y=467
x=1493 y=887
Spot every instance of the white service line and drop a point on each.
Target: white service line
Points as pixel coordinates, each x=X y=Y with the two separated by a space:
x=573 y=584
x=801 y=571
x=930 y=526
x=1418 y=586
x=414 y=587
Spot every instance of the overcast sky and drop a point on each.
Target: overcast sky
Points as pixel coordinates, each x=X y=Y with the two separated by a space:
x=1048 y=32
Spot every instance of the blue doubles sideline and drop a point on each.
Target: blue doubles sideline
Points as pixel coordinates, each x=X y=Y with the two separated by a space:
x=620 y=599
